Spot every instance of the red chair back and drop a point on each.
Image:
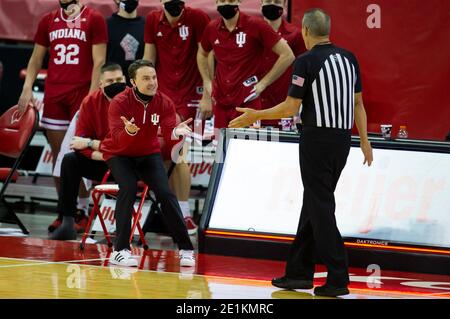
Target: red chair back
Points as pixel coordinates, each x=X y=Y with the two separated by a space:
x=16 y=130
x=4 y=173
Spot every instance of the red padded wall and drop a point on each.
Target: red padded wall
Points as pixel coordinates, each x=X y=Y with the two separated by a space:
x=405 y=64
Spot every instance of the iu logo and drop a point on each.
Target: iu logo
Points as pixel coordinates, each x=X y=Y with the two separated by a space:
x=155 y=119
x=184 y=32
x=240 y=39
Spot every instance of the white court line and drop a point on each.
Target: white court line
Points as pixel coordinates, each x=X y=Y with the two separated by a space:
x=39 y=262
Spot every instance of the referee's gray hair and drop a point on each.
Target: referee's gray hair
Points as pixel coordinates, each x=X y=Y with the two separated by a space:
x=317 y=21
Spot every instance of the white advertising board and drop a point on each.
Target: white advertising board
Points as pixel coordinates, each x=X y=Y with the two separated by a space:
x=403 y=197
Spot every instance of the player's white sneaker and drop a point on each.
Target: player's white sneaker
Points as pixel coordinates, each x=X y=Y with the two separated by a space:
x=187 y=258
x=123 y=258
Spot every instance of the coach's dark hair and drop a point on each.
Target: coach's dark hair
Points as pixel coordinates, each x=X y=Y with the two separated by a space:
x=109 y=66
x=136 y=65
x=317 y=21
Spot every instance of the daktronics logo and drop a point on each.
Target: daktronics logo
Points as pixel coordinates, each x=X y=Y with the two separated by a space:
x=372 y=242
x=108 y=214
x=200 y=168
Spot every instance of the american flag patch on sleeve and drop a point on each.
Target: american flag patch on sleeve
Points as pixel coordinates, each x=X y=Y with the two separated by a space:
x=298 y=80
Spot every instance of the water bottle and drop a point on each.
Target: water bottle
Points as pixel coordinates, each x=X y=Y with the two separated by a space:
x=402 y=132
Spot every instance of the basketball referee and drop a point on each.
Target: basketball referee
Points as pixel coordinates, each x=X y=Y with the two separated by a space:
x=327 y=82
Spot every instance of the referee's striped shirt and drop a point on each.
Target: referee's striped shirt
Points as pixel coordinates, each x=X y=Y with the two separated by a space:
x=326 y=78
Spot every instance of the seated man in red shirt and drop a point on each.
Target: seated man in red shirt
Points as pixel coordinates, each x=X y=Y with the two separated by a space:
x=132 y=151
x=86 y=161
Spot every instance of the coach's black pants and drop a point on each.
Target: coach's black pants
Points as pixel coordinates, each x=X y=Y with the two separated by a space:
x=150 y=169
x=323 y=154
x=74 y=166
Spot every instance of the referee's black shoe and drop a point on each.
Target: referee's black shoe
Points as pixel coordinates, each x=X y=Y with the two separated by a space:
x=292 y=283
x=330 y=291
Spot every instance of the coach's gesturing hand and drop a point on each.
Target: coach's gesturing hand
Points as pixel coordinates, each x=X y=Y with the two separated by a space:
x=130 y=127
x=183 y=129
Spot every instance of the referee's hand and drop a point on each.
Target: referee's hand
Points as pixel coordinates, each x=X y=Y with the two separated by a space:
x=130 y=127
x=366 y=148
x=248 y=118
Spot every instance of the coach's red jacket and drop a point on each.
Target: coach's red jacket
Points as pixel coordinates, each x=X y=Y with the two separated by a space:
x=160 y=111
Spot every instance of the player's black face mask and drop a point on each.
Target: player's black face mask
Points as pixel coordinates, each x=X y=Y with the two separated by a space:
x=272 y=12
x=228 y=11
x=65 y=6
x=174 y=7
x=144 y=97
x=113 y=89
x=129 y=5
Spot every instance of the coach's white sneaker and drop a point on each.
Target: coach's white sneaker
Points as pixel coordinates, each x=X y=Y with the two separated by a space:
x=187 y=258
x=123 y=258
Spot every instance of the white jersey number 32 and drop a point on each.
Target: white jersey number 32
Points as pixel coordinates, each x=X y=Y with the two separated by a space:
x=67 y=54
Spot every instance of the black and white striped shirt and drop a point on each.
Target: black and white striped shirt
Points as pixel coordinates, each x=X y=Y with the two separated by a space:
x=326 y=78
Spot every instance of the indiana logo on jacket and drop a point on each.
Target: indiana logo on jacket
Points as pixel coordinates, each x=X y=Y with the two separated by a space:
x=241 y=39
x=184 y=32
x=154 y=119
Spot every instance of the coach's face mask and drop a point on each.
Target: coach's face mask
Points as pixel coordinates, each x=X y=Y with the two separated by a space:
x=228 y=11
x=272 y=12
x=113 y=89
x=174 y=7
x=129 y=5
x=66 y=5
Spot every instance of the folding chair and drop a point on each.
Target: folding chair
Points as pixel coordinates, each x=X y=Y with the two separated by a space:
x=112 y=190
x=16 y=133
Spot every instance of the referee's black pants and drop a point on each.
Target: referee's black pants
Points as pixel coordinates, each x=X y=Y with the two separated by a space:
x=74 y=166
x=323 y=154
x=150 y=169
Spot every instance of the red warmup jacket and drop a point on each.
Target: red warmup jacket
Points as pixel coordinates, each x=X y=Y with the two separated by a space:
x=92 y=119
x=159 y=112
